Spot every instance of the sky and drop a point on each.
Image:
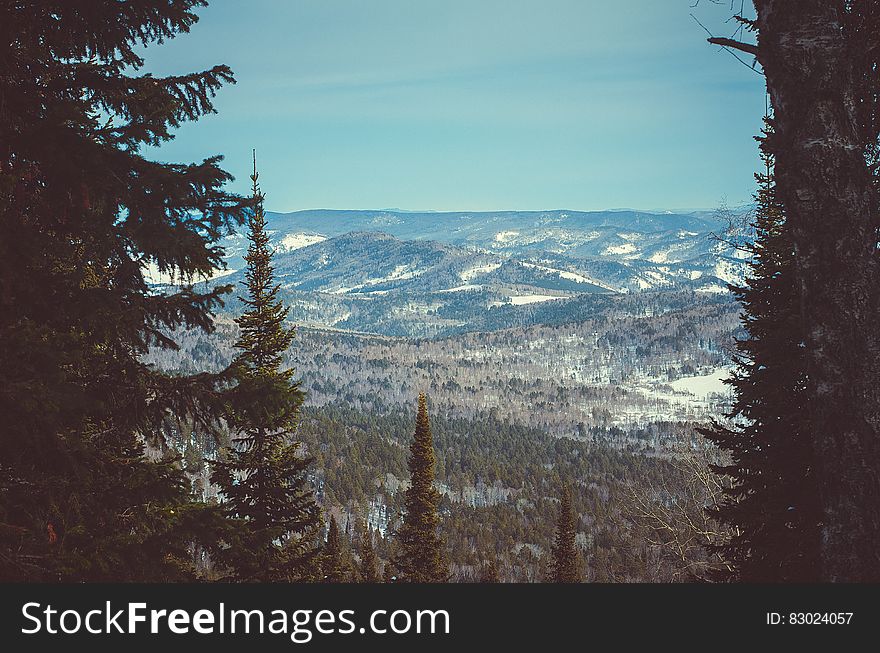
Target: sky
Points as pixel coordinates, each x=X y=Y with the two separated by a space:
x=473 y=105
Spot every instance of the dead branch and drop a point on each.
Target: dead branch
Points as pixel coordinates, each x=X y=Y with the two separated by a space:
x=748 y=48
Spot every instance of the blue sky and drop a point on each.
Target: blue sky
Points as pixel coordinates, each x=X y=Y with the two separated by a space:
x=477 y=105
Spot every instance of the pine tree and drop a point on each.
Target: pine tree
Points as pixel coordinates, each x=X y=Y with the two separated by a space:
x=83 y=215
x=333 y=564
x=264 y=478
x=419 y=558
x=773 y=503
x=565 y=562
x=368 y=571
x=347 y=562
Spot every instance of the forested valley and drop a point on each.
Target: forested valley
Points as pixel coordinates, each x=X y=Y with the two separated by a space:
x=194 y=389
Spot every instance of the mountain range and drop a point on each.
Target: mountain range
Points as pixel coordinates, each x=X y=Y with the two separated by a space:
x=435 y=274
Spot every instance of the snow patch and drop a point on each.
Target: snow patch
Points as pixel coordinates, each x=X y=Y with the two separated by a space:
x=470 y=273
x=520 y=300
x=713 y=288
x=626 y=248
x=291 y=242
x=729 y=271
x=571 y=276
x=703 y=386
x=400 y=273
x=506 y=236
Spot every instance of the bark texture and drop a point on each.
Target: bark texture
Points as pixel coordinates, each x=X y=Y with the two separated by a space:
x=815 y=68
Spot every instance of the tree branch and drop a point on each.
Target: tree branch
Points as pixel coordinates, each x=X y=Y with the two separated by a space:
x=748 y=48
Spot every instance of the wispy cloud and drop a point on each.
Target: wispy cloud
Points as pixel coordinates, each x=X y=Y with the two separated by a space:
x=453 y=104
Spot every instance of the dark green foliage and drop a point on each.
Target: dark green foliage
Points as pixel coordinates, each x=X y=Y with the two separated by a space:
x=419 y=558
x=335 y=563
x=82 y=216
x=773 y=504
x=368 y=570
x=360 y=455
x=263 y=479
x=565 y=565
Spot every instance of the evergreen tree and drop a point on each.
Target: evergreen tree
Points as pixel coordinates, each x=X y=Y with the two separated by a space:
x=368 y=571
x=83 y=215
x=263 y=479
x=333 y=564
x=349 y=568
x=565 y=565
x=419 y=558
x=820 y=60
x=773 y=503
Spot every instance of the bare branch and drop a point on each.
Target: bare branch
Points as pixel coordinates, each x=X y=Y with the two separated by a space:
x=748 y=48
x=672 y=510
x=727 y=48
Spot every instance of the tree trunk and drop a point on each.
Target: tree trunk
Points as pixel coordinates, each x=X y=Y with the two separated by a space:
x=826 y=188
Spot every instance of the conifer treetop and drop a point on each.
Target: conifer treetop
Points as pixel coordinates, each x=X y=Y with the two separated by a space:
x=420 y=558
x=565 y=563
x=264 y=479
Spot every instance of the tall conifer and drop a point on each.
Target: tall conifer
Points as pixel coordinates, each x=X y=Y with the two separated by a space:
x=773 y=503
x=565 y=562
x=333 y=565
x=83 y=216
x=419 y=558
x=264 y=478
x=368 y=570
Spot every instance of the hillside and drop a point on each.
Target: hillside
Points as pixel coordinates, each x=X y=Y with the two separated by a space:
x=435 y=275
